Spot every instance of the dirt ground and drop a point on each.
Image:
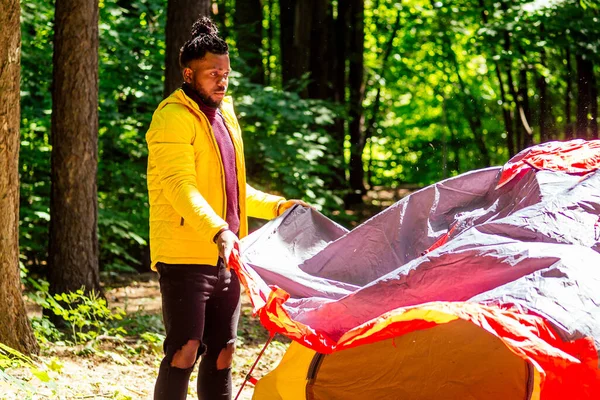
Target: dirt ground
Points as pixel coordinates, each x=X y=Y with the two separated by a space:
x=109 y=372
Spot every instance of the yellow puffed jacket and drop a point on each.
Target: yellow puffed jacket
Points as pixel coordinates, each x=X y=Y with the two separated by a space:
x=186 y=183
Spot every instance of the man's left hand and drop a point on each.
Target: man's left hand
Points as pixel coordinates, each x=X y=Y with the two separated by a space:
x=285 y=205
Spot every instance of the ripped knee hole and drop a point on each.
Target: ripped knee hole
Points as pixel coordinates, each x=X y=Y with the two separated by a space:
x=186 y=356
x=226 y=356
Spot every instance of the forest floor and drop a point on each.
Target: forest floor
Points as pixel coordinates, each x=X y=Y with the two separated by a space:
x=126 y=368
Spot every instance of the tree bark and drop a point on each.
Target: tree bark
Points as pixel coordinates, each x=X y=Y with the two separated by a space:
x=295 y=40
x=73 y=244
x=248 y=24
x=339 y=77
x=319 y=86
x=508 y=124
x=456 y=160
x=544 y=106
x=341 y=41
x=15 y=330
x=569 y=131
x=527 y=138
x=593 y=106
x=287 y=12
x=522 y=127
x=585 y=71
x=513 y=135
x=270 y=36
x=181 y=15
x=357 y=90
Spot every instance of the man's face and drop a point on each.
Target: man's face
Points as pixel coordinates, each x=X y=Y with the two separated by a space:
x=209 y=77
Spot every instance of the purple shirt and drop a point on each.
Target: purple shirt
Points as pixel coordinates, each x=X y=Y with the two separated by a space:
x=227 y=156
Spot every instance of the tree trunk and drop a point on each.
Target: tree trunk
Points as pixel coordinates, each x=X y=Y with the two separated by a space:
x=522 y=127
x=569 y=131
x=15 y=330
x=270 y=36
x=513 y=135
x=73 y=245
x=527 y=139
x=287 y=12
x=585 y=71
x=181 y=15
x=248 y=24
x=544 y=106
x=456 y=160
x=473 y=115
x=338 y=74
x=341 y=40
x=593 y=106
x=295 y=40
x=320 y=86
x=357 y=89
x=508 y=124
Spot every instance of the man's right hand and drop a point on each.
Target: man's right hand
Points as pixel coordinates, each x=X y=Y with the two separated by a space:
x=226 y=242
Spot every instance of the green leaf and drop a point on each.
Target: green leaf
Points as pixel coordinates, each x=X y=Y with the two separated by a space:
x=40 y=374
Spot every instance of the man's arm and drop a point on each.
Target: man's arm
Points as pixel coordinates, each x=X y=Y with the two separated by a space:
x=267 y=206
x=260 y=204
x=170 y=147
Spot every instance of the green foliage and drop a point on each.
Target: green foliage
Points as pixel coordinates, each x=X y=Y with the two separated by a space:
x=142 y=324
x=45 y=331
x=442 y=71
x=87 y=316
x=441 y=75
x=151 y=341
x=36 y=107
x=287 y=144
x=131 y=72
x=11 y=358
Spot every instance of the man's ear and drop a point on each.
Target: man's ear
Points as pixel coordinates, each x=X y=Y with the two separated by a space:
x=187 y=74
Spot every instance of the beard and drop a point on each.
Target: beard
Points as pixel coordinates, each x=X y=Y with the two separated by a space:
x=205 y=97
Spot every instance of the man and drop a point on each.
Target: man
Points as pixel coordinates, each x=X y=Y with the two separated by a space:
x=199 y=203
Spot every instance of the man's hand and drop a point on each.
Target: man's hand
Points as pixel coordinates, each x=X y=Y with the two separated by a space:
x=285 y=205
x=226 y=242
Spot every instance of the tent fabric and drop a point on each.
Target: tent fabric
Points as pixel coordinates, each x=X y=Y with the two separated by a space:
x=461 y=362
x=519 y=260
x=574 y=157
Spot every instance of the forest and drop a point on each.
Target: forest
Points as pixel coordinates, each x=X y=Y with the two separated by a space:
x=338 y=100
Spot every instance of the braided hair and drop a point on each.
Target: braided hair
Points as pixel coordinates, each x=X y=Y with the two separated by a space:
x=204 y=38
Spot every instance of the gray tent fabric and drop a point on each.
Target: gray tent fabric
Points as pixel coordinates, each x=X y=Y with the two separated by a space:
x=533 y=244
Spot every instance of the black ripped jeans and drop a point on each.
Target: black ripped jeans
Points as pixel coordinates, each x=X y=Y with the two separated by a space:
x=199 y=302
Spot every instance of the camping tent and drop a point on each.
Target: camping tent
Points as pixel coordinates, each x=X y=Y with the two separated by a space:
x=482 y=286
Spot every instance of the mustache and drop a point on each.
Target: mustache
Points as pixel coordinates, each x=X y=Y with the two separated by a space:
x=221 y=89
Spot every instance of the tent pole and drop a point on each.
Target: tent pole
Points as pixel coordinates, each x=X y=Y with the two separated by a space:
x=249 y=374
